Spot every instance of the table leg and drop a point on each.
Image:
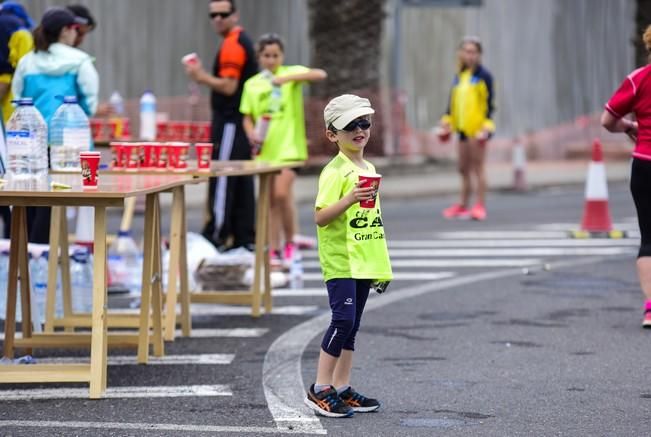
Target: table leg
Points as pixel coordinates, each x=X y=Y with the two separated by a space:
x=173 y=267
x=99 y=343
x=261 y=242
x=147 y=268
x=186 y=317
x=53 y=265
x=17 y=213
x=64 y=259
x=156 y=285
x=25 y=286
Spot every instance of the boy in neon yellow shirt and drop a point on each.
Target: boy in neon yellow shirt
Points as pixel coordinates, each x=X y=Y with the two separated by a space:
x=352 y=251
x=277 y=93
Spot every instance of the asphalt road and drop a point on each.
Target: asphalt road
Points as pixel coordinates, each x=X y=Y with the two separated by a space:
x=501 y=328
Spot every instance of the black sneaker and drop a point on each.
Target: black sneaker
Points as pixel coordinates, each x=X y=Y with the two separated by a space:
x=359 y=403
x=327 y=403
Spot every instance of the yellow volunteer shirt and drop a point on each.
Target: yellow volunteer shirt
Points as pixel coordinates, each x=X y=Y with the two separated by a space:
x=354 y=244
x=285 y=139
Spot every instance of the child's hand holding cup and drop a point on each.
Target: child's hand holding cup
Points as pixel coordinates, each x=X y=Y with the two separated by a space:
x=367 y=189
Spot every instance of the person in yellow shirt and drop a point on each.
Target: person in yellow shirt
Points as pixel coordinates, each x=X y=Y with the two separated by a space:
x=470 y=114
x=275 y=97
x=352 y=252
x=15 y=42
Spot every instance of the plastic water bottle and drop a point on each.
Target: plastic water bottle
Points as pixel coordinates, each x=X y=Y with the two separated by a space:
x=81 y=278
x=148 y=116
x=125 y=263
x=38 y=271
x=4 y=275
x=26 y=143
x=117 y=103
x=296 y=271
x=69 y=134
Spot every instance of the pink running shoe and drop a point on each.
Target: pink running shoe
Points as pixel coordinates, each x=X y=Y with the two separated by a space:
x=646 y=322
x=456 y=211
x=478 y=212
x=288 y=254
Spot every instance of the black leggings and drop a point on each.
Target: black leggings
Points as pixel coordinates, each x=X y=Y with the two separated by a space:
x=641 y=190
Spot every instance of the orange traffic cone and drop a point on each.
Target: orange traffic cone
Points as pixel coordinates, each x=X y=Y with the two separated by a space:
x=596 y=214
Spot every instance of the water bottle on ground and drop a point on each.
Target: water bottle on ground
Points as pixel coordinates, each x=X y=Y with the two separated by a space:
x=69 y=134
x=81 y=277
x=296 y=271
x=26 y=143
x=125 y=263
x=38 y=275
x=148 y=116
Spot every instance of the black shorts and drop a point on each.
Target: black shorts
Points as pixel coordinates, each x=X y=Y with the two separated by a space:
x=641 y=191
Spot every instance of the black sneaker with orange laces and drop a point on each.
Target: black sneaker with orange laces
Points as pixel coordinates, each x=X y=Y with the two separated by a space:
x=359 y=403
x=327 y=403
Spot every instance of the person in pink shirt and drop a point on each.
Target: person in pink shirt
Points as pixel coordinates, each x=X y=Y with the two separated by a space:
x=634 y=96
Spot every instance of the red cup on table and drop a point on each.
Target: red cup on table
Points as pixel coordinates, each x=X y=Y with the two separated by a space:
x=148 y=155
x=179 y=130
x=204 y=155
x=89 y=167
x=162 y=131
x=370 y=180
x=205 y=131
x=96 y=127
x=131 y=156
x=117 y=155
x=161 y=156
x=178 y=155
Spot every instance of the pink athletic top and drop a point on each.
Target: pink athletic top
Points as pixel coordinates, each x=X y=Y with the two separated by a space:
x=634 y=95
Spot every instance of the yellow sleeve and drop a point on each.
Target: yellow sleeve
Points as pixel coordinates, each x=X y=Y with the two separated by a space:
x=330 y=186
x=20 y=43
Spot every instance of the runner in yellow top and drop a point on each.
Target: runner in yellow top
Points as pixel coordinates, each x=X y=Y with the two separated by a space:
x=275 y=97
x=352 y=250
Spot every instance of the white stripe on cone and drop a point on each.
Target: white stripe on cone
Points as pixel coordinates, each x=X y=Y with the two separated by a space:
x=596 y=214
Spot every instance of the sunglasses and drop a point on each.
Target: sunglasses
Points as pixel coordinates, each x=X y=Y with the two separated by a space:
x=361 y=123
x=221 y=15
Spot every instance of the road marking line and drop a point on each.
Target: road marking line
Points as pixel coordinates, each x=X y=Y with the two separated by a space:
x=224 y=310
x=630 y=226
x=180 y=428
x=560 y=242
x=397 y=276
x=128 y=360
x=500 y=234
x=447 y=263
x=235 y=332
x=282 y=362
x=513 y=251
x=119 y=392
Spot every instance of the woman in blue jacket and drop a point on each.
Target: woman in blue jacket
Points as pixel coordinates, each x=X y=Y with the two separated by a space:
x=54 y=69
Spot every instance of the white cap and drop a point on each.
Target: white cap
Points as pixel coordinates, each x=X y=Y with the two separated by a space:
x=343 y=109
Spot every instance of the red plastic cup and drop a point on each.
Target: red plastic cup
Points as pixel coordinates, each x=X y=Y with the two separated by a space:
x=162 y=128
x=204 y=155
x=179 y=130
x=443 y=134
x=148 y=155
x=117 y=155
x=89 y=165
x=96 y=127
x=190 y=59
x=161 y=156
x=205 y=131
x=370 y=181
x=178 y=155
x=131 y=156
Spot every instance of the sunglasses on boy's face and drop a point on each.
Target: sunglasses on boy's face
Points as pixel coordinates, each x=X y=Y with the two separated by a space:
x=222 y=15
x=361 y=123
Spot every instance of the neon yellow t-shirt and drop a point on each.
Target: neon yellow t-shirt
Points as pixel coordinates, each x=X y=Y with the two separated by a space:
x=354 y=244
x=285 y=140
